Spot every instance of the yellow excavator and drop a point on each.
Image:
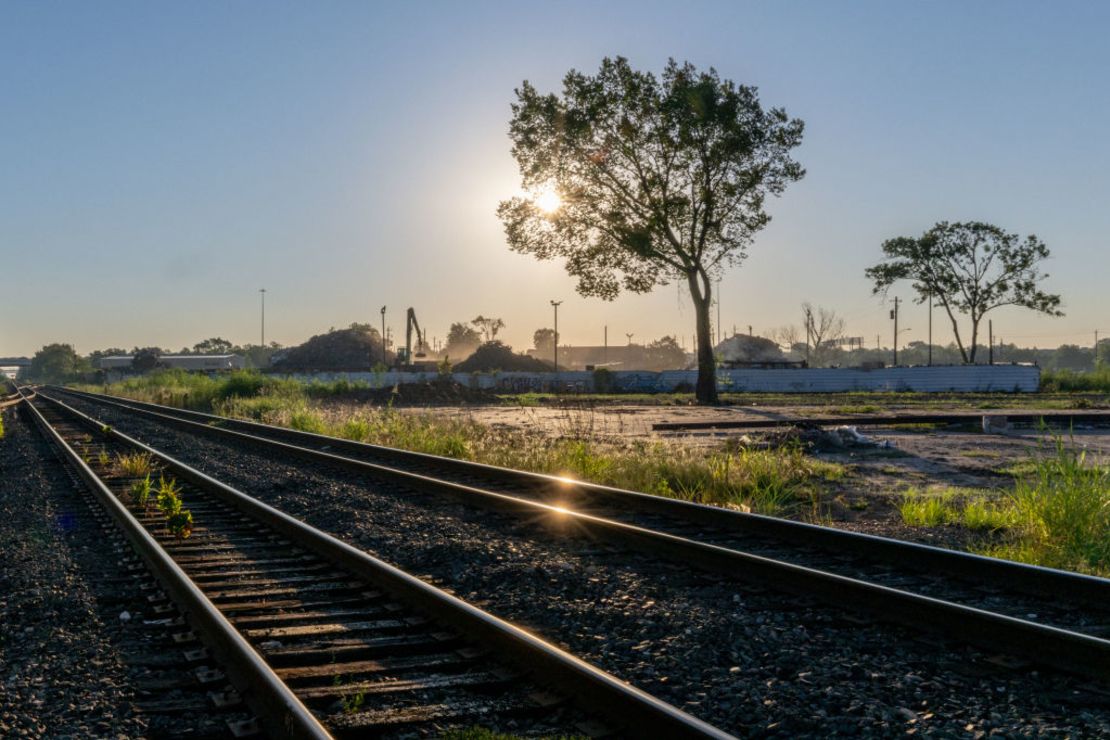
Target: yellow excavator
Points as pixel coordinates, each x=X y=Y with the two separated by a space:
x=406 y=360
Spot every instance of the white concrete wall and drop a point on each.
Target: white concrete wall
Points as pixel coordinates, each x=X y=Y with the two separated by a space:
x=999 y=378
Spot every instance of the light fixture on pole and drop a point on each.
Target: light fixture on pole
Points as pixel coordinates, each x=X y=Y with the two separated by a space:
x=555 y=305
x=262 y=292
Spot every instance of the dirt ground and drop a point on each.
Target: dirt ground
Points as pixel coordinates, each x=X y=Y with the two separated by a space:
x=866 y=499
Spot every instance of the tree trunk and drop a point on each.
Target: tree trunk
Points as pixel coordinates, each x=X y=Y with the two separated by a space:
x=956 y=333
x=706 y=390
x=974 y=338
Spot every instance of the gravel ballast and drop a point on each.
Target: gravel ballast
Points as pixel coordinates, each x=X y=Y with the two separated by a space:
x=747 y=660
x=61 y=674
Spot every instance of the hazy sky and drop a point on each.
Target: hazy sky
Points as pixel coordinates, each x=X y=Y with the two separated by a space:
x=160 y=162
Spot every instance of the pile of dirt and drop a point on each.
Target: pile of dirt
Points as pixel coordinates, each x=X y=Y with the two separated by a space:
x=357 y=347
x=497 y=356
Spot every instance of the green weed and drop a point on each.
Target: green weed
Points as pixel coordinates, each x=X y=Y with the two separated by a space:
x=1063 y=510
x=169 y=496
x=180 y=524
x=140 y=491
x=926 y=510
x=135 y=464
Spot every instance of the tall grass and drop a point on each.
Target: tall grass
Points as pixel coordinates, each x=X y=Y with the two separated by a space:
x=1057 y=515
x=1063 y=511
x=765 y=481
x=1070 y=380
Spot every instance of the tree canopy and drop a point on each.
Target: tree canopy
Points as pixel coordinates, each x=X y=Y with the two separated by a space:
x=656 y=178
x=970 y=268
x=489 y=326
x=56 y=363
x=213 y=346
x=461 y=340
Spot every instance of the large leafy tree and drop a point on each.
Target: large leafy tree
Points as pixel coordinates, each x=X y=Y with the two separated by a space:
x=655 y=179
x=969 y=268
x=56 y=363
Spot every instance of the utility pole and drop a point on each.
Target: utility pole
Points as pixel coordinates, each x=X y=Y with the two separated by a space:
x=809 y=324
x=605 y=352
x=262 y=292
x=750 y=333
x=894 y=315
x=990 y=342
x=556 y=305
x=1096 y=349
x=930 y=330
x=383 y=337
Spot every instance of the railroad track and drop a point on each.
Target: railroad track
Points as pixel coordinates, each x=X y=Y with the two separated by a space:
x=1043 y=615
x=321 y=639
x=12 y=396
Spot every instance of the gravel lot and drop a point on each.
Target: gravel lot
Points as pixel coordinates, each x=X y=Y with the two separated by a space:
x=61 y=674
x=750 y=661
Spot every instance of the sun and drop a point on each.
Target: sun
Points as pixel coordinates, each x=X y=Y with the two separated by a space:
x=547 y=199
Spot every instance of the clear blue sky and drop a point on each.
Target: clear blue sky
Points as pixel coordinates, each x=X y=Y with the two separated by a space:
x=161 y=162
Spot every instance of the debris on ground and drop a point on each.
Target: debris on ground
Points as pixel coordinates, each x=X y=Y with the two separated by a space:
x=813 y=438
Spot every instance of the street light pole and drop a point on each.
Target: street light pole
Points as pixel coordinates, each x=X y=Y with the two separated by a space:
x=383 y=336
x=894 y=315
x=555 y=305
x=262 y=292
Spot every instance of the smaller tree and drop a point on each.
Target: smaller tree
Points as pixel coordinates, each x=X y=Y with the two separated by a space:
x=665 y=354
x=488 y=326
x=146 y=359
x=213 y=346
x=788 y=336
x=461 y=340
x=823 y=329
x=969 y=268
x=97 y=354
x=544 y=342
x=56 y=363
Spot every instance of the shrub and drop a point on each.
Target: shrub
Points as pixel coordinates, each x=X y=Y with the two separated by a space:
x=1063 y=509
x=603 y=381
x=1070 y=380
x=135 y=464
x=140 y=491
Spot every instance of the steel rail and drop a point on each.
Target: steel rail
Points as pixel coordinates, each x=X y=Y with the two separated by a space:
x=1025 y=417
x=1043 y=644
x=280 y=711
x=1032 y=579
x=625 y=706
